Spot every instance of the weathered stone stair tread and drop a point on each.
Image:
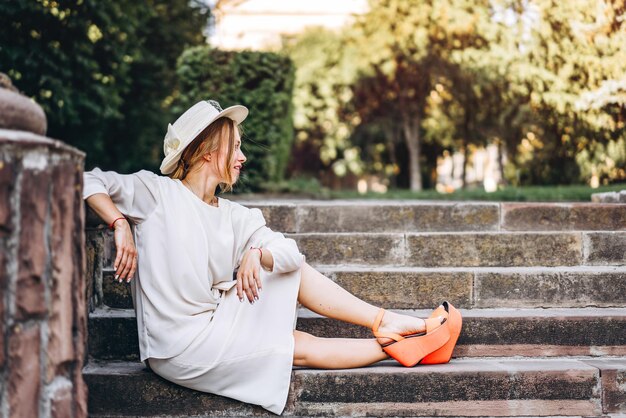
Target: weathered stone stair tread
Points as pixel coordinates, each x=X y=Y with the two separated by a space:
x=486 y=332
x=465 y=287
x=465 y=387
x=424 y=215
x=469 y=249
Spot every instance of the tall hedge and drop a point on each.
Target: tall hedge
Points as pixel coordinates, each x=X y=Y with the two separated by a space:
x=261 y=81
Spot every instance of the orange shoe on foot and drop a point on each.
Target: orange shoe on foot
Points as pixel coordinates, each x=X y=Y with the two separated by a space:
x=410 y=349
x=455 y=322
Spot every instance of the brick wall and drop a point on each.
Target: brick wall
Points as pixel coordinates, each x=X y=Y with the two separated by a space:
x=42 y=278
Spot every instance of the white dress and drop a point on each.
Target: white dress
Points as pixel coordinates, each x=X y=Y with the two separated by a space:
x=193 y=330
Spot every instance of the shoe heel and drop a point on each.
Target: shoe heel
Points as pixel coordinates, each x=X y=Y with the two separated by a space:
x=413 y=349
x=444 y=354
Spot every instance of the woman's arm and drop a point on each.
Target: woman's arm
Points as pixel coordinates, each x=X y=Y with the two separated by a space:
x=126 y=255
x=112 y=196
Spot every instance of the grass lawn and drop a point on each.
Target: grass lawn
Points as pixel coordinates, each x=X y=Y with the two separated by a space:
x=520 y=194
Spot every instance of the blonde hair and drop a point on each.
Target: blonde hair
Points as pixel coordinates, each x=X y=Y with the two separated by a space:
x=211 y=140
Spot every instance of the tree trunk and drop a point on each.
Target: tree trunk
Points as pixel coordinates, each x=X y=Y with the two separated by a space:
x=500 y=162
x=390 y=137
x=465 y=160
x=412 y=138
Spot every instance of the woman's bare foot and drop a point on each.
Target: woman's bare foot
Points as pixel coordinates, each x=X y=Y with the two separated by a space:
x=401 y=324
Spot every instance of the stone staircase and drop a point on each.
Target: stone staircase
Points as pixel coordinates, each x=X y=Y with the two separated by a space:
x=542 y=287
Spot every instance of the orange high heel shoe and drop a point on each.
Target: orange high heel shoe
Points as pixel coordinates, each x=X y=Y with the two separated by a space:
x=455 y=322
x=410 y=349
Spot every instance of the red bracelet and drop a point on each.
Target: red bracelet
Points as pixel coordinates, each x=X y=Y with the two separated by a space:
x=113 y=223
x=260 y=250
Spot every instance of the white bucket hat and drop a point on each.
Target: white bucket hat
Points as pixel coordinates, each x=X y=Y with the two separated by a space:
x=190 y=124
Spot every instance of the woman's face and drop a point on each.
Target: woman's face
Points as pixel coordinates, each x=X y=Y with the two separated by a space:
x=238 y=157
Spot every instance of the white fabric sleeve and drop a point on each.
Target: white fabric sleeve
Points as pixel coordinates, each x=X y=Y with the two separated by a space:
x=287 y=256
x=135 y=195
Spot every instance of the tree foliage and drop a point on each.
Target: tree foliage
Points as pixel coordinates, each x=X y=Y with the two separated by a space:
x=542 y=79
x=102 y=70
x=261 y=81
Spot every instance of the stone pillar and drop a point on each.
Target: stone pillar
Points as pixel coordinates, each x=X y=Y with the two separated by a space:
x=42 y=267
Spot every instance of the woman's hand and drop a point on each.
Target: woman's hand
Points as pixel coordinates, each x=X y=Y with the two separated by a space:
x=248 y=275
x=126 y=259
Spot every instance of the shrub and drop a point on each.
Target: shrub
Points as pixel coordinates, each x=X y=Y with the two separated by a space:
x=261 y=81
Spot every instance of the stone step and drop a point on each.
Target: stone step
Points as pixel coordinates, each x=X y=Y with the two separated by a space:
x=438 y=216
x=465 y=287
x=465 y=249
x=464 y=387
x=486 y=332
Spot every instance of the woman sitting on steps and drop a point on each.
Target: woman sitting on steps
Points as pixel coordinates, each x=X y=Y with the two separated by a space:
x=194 y=327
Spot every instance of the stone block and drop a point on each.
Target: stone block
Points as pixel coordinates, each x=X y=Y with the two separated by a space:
x=605 y=248
x=490 y=332
x=3 y=288
x=613 y=374
x=608 y=197
x=7 y=185
x=113 y=335
x=80 y=295
x=549 y=288
x=93 y=268
x=60 y=352
x=278 y=217
x=399 y=216
x=555 y=328
x=469 y=379
x=2 y=329
x=467 y=387
x=80 y=393
x=399 y=289
x=61 y=403
x=502 y=333
x=132 y=390
x=392 y=288
x=32 y=251
x=23 y=376
x=563 y=216
x=109 y=250
x=21 y=113
x=354 y=249
x=115 y=294
x=494 y=249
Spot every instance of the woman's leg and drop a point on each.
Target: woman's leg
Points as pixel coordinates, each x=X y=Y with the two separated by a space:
x=325 y=297
x=335 y=353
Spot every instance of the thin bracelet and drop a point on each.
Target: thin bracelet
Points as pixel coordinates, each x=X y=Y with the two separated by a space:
x=260 y=250
x=113 y=223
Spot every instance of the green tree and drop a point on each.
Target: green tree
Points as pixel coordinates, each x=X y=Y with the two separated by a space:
x=571 y=48
x=325 y=71
x=261 y=81
x=406 y=47
x=101 y=70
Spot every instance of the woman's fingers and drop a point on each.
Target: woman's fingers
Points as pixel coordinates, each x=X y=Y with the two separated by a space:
x=239 y=286
x=130 y=258
x=122 y=264
x=118 y=257
x=253 y=286
x=248 y=288
x=257 y=278
x=131 y=275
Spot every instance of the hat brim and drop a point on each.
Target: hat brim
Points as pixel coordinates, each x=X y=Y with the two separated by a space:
x=237 y=113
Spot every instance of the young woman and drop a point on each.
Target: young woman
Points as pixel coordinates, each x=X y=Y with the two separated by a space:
x=204 y=328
